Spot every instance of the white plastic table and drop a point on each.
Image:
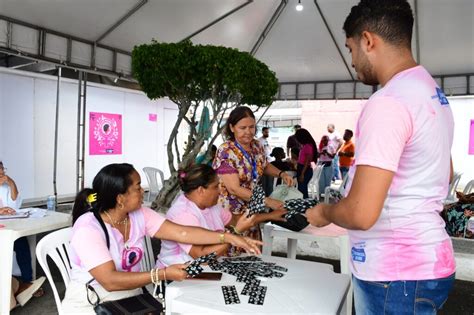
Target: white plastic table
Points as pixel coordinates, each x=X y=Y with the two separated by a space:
x=15 y=229
x=310 y=233
x=307 y=288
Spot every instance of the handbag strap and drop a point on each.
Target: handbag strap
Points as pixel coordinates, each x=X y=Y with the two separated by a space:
x=102 y=225
x=107 y=239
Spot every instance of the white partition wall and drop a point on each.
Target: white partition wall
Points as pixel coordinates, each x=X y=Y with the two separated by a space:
x=27 y=118
x=463 y=111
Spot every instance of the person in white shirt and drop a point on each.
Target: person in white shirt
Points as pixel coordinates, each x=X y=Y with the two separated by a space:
x=264 y=142
x=25 y=288
x=336 y=141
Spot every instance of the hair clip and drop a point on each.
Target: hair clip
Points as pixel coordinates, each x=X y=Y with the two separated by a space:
x=92 y=198
x=182 y=175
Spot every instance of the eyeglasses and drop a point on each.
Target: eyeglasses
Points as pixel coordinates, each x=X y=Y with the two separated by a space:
x=3 y=168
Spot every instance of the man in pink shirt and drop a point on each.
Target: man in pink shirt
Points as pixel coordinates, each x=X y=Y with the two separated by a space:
x=402 y=258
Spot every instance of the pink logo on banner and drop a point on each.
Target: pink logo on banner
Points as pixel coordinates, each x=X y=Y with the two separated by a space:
x=471 y=138
x=105 y=133
x=152 y=117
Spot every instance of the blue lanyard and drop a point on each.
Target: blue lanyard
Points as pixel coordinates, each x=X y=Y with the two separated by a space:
x=251 y=161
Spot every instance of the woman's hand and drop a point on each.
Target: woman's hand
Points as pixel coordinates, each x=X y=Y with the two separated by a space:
x=273 y=203
x=244 y=223
x=175 y=272
x=7 y=211
x=248 y=244
x=277 y=215
x=5 y=179
x=287 y=179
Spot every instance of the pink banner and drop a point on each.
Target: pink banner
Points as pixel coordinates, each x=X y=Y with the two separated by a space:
x=471 y=138
x=105 y=133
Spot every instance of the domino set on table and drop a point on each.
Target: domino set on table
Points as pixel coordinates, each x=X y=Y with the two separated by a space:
x=246 y=269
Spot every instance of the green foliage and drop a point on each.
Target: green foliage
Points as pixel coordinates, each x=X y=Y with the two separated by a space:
x=185 y=72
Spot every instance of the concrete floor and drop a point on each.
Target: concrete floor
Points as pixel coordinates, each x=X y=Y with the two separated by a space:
x=460 y=302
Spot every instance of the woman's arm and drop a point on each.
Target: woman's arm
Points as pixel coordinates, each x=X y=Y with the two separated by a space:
x=199 y=236
x=242 y=223
x=271 y=170
x=201 y=250
x=11 y=184
x=113 y=280
x=232 y=184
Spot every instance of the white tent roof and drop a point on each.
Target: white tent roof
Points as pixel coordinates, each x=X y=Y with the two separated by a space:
x=298 y=46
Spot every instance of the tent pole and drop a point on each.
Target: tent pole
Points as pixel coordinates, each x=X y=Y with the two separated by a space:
x=55 y=166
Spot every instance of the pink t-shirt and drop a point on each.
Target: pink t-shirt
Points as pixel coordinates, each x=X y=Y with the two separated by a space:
x=89 y=247
x=306 y=149
x=407 y=128
x=185 y=212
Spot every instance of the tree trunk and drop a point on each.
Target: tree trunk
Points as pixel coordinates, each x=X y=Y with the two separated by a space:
x=167 y=194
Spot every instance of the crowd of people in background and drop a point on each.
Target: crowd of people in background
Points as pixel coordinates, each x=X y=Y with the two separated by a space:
x=334 y=153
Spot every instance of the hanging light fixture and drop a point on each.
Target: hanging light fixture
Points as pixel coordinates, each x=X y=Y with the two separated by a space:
x=299 y=6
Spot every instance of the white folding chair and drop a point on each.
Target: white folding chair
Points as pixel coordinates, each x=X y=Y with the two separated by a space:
x=154 y=185
x=148 y=261
x=469 y=187
x=452 y=189
x=341 y=189
x=56 y=246
x=313 y=185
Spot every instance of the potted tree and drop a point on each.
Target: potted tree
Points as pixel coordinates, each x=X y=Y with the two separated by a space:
x=196 y=77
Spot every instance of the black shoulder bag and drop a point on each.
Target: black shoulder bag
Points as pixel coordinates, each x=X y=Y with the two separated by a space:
x=144 y=303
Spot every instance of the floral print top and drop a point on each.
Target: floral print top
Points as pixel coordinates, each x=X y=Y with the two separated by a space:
x=230 y=160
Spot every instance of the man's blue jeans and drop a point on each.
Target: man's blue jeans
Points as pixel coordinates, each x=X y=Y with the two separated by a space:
x=401 y=297
x=344 y=170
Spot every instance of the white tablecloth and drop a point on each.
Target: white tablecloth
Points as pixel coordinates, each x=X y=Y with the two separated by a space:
x=307 y=288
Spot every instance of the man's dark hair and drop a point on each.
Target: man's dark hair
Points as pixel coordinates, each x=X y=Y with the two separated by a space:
x=349 y=132
x=390 y=19
x=265 y=128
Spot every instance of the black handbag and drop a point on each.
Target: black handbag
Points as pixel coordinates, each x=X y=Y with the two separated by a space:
x=140 y=304
x=296 y=223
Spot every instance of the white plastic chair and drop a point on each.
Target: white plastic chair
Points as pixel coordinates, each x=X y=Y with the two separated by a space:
x=148 y=261
x=154 y=185
x=56 y=246
x=341 y=189
x=452 y=189
x=313 y=185
x=469 y=187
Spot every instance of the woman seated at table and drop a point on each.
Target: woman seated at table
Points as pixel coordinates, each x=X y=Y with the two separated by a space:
x=116 y=200
x=240 y=162
x=197 y=206
x=23 y=285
